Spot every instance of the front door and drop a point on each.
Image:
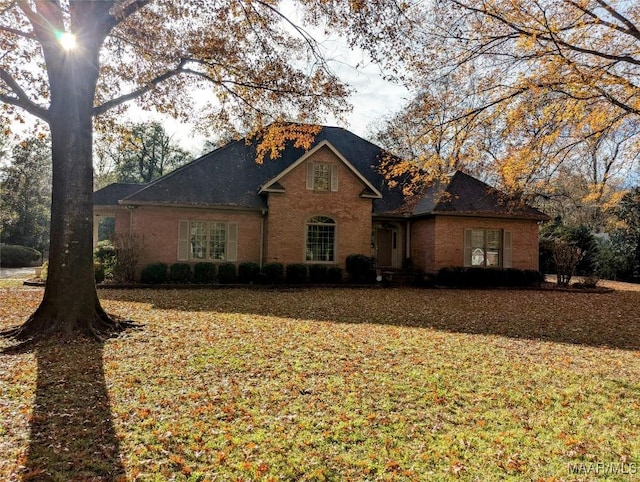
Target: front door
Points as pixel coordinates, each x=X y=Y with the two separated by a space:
x=384 y=245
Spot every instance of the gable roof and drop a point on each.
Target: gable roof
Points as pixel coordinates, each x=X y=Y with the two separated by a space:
x=111 y=194
x=274 y=184
x=466 y=195
x=231 y=177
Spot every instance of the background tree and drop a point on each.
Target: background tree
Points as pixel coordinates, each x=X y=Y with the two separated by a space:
x=140 y=152
x=533 y=90
x=25 y=195
x=625 y=236
x=70 y=62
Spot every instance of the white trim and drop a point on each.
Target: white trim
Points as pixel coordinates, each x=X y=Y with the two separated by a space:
x=265 y=187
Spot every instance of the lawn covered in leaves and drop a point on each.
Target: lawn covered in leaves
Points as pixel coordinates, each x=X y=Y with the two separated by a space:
x=330 y=384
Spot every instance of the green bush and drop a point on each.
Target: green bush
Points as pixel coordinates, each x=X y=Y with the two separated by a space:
x=360 y=268
x=154 y=273
x=226 y=273
x=105 y=254
x=296 y=273
x=273 y=273
x=13 y=256
x=204 y=273
x=99 y=272
x=179 y=273
x=334 y=274
x=248 y=272
x=318 y=273
x=475 y=277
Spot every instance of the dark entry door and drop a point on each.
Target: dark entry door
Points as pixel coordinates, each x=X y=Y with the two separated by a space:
x=384 y=243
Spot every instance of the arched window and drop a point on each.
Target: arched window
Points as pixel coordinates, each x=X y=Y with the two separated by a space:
x=321 y=240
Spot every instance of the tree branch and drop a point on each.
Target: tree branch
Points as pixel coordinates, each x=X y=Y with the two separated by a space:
x=545 y=36
x=101 y=109
x=17 y=32
x=121 y=13
x=22 y=99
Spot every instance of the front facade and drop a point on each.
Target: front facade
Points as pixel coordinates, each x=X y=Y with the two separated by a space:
x=317 y=207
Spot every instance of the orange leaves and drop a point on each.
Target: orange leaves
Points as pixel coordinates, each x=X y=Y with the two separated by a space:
x=273 y=139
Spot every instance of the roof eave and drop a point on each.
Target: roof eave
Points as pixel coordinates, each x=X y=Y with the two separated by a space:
x=221 y=207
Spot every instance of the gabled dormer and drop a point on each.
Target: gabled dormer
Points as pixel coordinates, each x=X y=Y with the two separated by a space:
x=321 y=175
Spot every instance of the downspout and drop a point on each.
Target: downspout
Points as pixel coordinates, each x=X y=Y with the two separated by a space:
x=264 y=213
x=407 y=238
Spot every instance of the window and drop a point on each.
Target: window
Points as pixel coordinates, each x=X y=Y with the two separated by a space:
x=322 y=176
x=207 y=241
x=487 y=248
x=320 y=239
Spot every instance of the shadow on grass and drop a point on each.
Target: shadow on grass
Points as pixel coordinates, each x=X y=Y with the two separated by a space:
x=71 y=432
x=599 y=320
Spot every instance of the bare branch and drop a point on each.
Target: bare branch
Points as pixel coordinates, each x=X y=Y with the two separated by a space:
x=122 y=12
x=21 y=98
x=150 y=85
x=19 y=33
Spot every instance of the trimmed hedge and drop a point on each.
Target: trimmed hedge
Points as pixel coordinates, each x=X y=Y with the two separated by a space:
x=318 y=273
x=179 y=273
x=360 y=268
x=226 y=273
x=14 y=256
x=322 y=273
x=273 y=273
x=334 y=274
x=248 y=272
x=488 y=277
x=296 y=273
x=154 y=273
x=204 y=273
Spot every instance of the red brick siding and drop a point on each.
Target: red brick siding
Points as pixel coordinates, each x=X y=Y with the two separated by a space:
x=158 y=227
x=290 y=211
x=422 y=243
x=448 y=234
x=123 y=220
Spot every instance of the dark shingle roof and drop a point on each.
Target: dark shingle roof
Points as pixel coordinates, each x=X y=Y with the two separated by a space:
x=464 y=194
x=111 y=194
x=230 y=176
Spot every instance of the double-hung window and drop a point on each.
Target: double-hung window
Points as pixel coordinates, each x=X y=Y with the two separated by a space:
x=207 y=241
x=320 y=239
x=489 y=248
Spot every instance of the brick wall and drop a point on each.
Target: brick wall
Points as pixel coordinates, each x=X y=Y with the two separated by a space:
x=290 y=211
x=439 y=242
x=158 y=227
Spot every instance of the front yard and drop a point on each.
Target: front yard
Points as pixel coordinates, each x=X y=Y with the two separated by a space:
x=330 y=384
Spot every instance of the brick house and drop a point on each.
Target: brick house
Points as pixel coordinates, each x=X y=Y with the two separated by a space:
x=318 y=206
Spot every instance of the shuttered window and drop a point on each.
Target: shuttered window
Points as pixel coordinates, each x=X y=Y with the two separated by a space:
x=322 y=176
x=487 y=248
x=207 y=241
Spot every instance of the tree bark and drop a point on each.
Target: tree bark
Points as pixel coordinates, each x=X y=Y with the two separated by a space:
x=70 y=303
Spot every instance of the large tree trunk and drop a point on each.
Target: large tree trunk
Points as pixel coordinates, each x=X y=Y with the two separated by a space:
x=70 y=304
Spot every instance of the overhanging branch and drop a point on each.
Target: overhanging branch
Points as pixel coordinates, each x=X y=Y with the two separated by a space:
x=21 y=98
x=101 y=109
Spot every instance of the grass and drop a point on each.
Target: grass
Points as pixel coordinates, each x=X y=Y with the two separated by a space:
x=328 y=384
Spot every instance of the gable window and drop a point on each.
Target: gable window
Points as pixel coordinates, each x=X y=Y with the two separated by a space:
x=322 y=176
x=320 y=239
x=207 y=241
x=487 y=248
